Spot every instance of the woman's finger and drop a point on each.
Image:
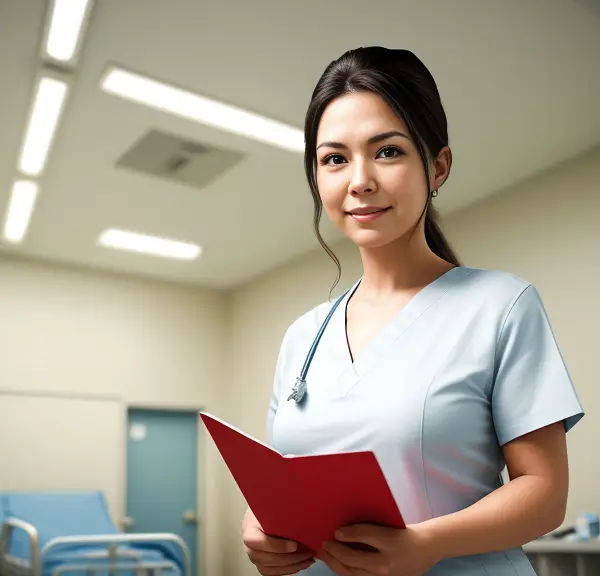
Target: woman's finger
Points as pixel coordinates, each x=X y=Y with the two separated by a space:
x=262 y=558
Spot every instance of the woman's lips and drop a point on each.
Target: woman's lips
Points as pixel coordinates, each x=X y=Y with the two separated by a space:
x=367 y=215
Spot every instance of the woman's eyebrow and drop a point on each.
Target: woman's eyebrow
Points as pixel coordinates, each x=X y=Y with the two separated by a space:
x=372 y=140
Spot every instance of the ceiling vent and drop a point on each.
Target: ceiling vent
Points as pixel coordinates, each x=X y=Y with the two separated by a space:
x=173 y=158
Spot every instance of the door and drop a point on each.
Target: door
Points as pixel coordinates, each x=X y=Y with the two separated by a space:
x=162 y=464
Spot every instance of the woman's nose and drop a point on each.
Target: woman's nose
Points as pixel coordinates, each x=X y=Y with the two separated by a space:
x=362 y=182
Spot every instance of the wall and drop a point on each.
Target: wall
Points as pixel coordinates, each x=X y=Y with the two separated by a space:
x=48 y=443
x=77 y=345
x=545 y=230
x=94 y=338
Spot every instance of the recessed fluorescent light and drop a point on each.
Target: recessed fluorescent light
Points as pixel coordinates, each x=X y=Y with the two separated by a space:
x=135 y=242
x=45 y=114
x=65 y=27
x=20 y=207
x=201 y=109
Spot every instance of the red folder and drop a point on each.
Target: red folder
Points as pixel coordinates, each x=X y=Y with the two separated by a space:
x=305 y=498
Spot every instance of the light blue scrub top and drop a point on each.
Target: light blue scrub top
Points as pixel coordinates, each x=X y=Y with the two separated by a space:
x=469 y=364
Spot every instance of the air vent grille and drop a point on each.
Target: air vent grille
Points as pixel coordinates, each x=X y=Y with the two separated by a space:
x=169 y=156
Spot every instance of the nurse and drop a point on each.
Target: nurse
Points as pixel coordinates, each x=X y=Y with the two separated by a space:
x=448 y=373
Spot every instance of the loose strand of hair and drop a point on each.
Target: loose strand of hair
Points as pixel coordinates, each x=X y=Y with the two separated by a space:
x=328 y=250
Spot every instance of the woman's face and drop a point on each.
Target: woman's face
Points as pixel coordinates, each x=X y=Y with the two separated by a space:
x=369 y=172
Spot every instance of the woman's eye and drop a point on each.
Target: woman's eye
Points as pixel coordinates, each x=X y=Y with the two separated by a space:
x=333 y=159
x=389 y=152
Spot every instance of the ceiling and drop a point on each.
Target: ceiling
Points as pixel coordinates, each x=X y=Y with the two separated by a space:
x=520 y=82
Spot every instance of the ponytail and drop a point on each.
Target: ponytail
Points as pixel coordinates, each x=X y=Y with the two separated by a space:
x=435 y=237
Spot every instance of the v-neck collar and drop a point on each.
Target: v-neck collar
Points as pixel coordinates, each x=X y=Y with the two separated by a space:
x=349 y=372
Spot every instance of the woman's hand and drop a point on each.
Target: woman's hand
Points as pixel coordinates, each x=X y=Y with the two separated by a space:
x=272 y=556
x=380 y=550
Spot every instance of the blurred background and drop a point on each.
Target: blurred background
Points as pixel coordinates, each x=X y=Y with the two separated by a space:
x=157 y=226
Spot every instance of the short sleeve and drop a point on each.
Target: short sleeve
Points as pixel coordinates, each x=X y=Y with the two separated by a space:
x=274 y=400
x=532 y=387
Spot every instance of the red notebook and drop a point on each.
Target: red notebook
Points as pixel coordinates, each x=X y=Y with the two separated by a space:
x=305 y=498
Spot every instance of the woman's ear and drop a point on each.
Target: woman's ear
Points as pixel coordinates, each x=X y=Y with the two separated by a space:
x=440 y=169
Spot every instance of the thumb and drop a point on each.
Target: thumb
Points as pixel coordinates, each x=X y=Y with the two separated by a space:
x=255 y=539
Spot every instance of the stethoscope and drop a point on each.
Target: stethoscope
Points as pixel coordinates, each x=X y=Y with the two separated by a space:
x=300 y=387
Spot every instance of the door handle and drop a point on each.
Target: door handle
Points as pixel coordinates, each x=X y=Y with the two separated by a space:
x=189 y=517
x=127 y=523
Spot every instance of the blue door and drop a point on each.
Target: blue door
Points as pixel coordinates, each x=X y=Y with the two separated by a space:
x=162 y=464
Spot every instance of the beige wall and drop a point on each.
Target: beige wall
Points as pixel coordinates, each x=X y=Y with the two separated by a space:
x=93 y=339
x=77 y=348
x=545 y=230
x=548 y=231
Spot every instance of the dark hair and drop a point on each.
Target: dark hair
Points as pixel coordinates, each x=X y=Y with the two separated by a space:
x=408 y=87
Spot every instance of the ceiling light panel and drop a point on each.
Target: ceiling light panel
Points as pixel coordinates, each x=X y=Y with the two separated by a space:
x=151 y=245
x=65 y=27
x=191 y=106
x=22 y=200
x=43 y=121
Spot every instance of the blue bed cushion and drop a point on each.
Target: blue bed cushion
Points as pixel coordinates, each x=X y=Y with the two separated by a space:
x=57 y=514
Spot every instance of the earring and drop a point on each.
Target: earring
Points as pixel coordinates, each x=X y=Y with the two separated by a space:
x=434 y=193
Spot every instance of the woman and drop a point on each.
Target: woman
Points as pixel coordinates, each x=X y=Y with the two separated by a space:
x=446 y=372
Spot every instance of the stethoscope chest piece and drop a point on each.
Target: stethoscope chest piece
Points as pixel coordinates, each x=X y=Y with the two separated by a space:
x=298 y=391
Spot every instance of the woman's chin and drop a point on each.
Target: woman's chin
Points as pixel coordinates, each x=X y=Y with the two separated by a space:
x=369 y=239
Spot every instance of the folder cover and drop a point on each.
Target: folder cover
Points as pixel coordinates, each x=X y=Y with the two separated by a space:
x=305 y=498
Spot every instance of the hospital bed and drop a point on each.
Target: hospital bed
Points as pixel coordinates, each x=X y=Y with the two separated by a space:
x=71 y=534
